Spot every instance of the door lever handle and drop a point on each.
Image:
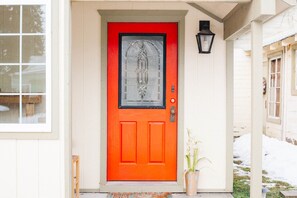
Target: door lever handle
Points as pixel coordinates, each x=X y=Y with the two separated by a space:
x=172 y=114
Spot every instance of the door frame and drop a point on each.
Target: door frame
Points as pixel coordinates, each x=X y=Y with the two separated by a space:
x=177 y=16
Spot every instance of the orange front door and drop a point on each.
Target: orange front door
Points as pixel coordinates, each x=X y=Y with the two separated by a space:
x=142 y=102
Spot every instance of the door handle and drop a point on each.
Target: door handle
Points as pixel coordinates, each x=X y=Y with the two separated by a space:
x=172 y=114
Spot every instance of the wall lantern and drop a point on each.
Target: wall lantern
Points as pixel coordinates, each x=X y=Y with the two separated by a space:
x=204 y=37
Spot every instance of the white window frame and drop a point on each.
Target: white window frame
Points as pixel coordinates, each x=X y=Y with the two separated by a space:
x=36 y=127
x=294 y=70
x=274 y=118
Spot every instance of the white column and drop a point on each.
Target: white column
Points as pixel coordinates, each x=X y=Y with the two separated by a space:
x=65 y=98
x=229 y=113
x=257 y=110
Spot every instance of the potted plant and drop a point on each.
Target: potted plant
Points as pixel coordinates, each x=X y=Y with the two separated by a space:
x=192 y=172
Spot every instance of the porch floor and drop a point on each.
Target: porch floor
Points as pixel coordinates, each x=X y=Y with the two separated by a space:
x=180 y=195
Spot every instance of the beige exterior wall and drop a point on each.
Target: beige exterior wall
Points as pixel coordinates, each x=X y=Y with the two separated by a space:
x=242 y=92
x=205 y=90
x=290 y=109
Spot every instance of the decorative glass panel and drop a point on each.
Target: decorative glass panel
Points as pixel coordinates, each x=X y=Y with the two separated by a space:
x=9 y=79
x=33 y=79
x=142 y=71
x=9 y=19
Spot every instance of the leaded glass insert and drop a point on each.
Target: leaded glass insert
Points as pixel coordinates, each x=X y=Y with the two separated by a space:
x=142 y=71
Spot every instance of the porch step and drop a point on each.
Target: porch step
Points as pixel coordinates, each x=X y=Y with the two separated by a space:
x=289 y=194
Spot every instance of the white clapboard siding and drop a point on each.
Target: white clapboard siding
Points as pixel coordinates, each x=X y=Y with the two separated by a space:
x=30 y=169
x=27 y=169
x=8 y=174
x=49 y=172
x=242 y=92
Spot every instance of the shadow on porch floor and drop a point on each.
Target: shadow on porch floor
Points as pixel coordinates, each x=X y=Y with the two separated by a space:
x=175 y=195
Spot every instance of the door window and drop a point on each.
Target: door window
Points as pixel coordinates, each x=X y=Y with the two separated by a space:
x=142 y=71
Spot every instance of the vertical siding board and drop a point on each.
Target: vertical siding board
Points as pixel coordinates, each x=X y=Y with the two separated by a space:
x=78 y=83
x=291 y=102
x=91 y=104
x=242 y=96
x=27 y=169
x=8 y=169
x=49 y=169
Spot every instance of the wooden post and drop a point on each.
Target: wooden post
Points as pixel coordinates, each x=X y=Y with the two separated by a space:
x=257 y=110
x=75 y=175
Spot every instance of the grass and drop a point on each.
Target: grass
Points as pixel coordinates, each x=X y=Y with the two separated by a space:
x=245 y=169
x=241 y=187
x=238 y=162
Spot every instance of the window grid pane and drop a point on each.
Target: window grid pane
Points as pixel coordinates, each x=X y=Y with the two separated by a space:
x=9 y=78
x=22 y=63
x=9 y=19
x=9 y=49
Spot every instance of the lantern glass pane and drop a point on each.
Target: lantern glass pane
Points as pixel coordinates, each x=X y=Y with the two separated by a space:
x=206 y=42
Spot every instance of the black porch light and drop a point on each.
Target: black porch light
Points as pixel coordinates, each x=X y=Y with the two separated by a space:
x=204 y=38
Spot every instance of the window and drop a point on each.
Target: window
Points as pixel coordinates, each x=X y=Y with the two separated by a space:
x=25 y=69
x=274 y=98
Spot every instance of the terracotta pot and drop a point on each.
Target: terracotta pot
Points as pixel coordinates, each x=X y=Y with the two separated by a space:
x=191 y=182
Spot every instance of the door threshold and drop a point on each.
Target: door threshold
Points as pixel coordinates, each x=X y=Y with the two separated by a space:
x=141 y=187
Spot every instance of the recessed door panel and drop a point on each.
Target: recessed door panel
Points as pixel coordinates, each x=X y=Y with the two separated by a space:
x=128 y=142
x=156 y=142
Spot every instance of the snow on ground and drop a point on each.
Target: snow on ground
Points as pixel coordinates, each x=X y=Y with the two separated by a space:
x=279 y=157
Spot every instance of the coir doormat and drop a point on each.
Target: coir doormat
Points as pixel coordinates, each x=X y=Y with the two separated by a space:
x=140 y=195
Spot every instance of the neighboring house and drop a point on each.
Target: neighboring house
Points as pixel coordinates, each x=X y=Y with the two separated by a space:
x=279 y=79
x=118 y=83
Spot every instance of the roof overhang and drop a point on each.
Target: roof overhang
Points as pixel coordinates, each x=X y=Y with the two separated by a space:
x=236 y=15
x=238 y=21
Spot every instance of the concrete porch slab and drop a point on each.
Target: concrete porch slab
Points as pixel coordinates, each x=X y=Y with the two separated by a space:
x=175 y=195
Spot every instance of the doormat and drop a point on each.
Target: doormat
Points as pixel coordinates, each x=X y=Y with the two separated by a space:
x=140 y=195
